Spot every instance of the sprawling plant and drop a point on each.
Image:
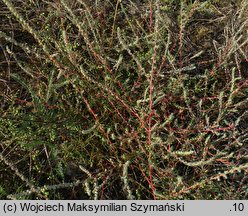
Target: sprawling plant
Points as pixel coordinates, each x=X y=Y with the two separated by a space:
x=146 y=96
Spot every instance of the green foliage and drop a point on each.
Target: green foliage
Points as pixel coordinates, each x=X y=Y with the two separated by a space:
x=145 y=97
